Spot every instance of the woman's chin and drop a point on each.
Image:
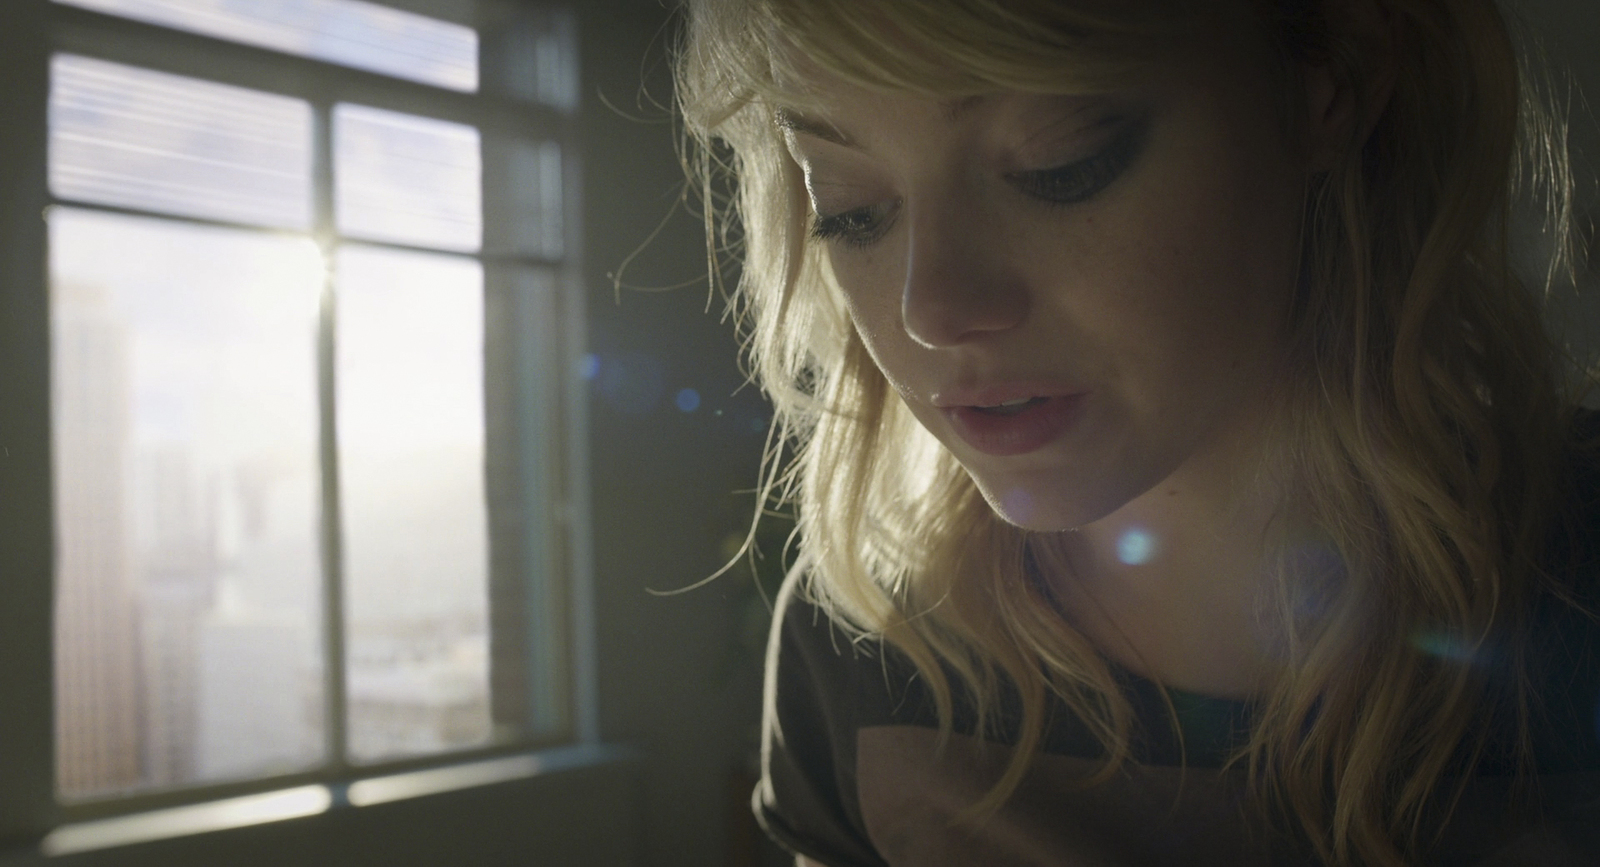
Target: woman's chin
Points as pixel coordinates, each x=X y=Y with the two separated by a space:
x=1039 y=511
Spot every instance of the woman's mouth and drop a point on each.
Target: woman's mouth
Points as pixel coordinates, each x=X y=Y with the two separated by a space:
x=1013 y=407
x=1017 y=426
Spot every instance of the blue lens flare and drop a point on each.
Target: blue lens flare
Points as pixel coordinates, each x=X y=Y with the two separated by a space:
x=1444 y=646
x=1135 y=547
x=631 y=383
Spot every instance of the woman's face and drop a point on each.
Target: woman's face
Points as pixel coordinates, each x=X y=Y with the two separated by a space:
x=1081 y=296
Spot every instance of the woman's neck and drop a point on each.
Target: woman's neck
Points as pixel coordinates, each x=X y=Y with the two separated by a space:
x=1171 y=586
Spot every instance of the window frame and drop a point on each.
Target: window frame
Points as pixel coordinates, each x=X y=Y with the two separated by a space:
x=37 y=31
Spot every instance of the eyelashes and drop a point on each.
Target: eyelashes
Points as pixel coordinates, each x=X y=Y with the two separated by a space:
x=1080 y=181
x=1070 y=184
x=858 y=227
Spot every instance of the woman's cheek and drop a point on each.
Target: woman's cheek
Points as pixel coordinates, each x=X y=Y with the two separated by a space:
x=872 y=297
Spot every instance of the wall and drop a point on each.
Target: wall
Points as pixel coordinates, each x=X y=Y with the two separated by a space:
x=672 y=678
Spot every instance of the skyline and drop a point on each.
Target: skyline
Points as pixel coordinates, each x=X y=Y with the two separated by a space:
x=219 y=497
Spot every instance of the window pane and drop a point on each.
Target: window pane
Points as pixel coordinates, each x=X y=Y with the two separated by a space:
x=187 y=492
x=411 y=471
x=408 y=179
x=348 y=32
x=126 y=136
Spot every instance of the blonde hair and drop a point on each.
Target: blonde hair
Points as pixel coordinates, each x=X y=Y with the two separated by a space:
x=1423 y=431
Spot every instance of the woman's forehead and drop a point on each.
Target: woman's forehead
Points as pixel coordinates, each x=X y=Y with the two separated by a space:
x=834 y=123
x=808 y=102
x=795 y=119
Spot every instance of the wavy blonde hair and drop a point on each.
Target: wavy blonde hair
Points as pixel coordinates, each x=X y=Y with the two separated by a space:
x=1426 y=419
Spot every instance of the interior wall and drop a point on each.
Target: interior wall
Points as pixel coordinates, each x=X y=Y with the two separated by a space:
x=673 y=678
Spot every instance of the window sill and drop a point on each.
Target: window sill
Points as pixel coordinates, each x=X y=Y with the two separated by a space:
x=328 y=802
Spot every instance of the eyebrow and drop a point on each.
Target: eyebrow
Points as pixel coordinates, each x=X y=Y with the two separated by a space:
x=794 y=121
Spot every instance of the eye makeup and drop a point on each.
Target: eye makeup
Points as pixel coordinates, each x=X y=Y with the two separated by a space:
x=858 y=227
x=1068 y=184
x=1079 y=181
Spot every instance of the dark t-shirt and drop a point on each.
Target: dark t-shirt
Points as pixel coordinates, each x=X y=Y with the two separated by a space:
x=853 y=774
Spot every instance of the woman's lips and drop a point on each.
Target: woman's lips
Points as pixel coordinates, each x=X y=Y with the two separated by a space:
x=1016 y=433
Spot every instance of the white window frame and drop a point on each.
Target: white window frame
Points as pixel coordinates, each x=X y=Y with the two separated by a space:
x=29 y=812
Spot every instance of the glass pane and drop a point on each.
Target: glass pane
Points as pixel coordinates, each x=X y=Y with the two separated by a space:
x=126 y=136
x=411 y=481
x=407 y=179
x=347 y=32
x=187 y=496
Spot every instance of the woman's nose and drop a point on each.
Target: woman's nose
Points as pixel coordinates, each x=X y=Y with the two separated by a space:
x=959 y=284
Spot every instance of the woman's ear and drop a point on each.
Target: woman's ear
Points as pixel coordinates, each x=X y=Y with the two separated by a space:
x=1348 y=89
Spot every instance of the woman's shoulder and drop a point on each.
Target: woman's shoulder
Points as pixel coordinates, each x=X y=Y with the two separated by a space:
x=826 y=681
x=837 y=680
x=821 y=660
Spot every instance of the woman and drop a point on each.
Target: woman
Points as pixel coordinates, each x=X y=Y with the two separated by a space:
x=1183 y=474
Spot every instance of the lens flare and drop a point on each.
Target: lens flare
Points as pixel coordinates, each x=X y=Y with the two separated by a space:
x=589 y=366
x=1017 y=506
x=1444 y=646
x=1135 y=547
x=631 y=382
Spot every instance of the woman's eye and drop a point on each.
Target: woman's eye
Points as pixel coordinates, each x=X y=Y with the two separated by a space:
x=1080 y=181
x=858 y=227
x=1063 y=185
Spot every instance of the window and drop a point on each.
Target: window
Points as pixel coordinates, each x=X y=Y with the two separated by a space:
x=312 y=358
